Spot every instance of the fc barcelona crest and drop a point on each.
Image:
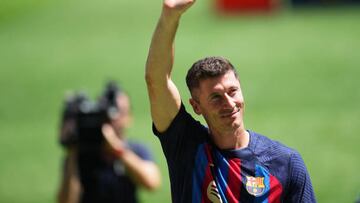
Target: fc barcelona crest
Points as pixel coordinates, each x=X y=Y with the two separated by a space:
x=255 y=185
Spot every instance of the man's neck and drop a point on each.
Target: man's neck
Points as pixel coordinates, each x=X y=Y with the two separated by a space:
x=238 y=139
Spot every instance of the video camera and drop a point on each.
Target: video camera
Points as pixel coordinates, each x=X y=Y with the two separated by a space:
x=87 y=117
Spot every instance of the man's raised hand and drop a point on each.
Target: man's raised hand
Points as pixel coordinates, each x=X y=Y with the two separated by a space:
x=179 y=6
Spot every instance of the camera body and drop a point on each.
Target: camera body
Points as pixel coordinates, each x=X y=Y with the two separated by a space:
x=83 y=119
x=89 y=120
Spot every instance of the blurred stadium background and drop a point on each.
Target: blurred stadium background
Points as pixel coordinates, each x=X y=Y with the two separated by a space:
x=299 y=70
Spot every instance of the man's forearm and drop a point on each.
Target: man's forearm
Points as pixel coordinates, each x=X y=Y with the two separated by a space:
x=160 y=58
x=144 y=173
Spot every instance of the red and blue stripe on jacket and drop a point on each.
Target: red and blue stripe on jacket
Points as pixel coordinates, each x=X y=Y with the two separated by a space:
x=229 y=179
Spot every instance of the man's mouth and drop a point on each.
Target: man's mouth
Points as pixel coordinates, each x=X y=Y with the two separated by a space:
x=230 y=114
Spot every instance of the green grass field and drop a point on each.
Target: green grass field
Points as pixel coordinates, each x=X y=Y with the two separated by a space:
x=299 y=72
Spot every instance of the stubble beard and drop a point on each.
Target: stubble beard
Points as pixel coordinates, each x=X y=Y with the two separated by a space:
x=225 y=129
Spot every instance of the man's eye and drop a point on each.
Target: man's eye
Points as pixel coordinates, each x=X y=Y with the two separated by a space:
x=215 y=97
x=233 y=92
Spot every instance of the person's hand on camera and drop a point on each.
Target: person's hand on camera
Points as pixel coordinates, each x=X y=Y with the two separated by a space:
x=113 y=142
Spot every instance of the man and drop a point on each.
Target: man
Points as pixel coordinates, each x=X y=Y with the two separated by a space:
x=223 y=162
x=110 y=169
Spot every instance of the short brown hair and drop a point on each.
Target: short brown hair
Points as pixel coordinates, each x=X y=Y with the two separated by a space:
x=208 y=67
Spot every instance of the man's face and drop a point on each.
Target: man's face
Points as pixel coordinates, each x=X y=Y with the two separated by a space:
x=221 y=102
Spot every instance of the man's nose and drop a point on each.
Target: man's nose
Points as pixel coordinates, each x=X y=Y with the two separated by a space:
x=229 y=101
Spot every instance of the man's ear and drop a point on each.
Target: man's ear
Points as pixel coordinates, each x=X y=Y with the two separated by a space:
x=195 y=106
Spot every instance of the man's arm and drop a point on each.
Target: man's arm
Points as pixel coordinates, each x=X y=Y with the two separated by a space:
x=300 y=187
x=143 y=172
x=164 y=97
x=70 y=187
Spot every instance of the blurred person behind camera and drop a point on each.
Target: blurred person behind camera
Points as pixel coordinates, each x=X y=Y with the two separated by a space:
x=112 y=174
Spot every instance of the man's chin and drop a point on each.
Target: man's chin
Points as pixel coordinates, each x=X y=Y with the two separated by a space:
x=231 y=127
x=233 y=122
